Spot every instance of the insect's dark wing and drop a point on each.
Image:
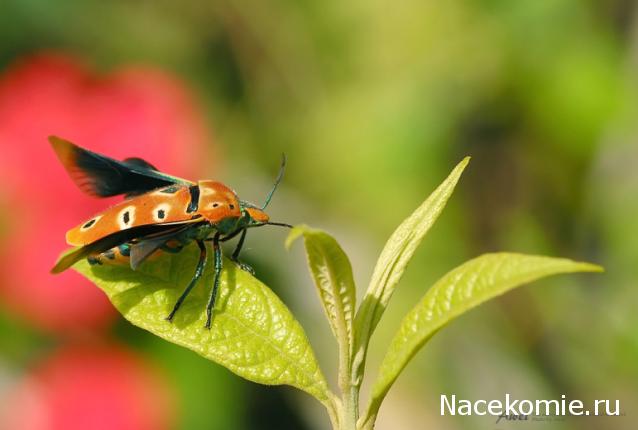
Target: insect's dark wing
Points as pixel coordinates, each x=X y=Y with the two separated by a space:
x=74 y=255
x=146 y=246
x=102 y=176
x=139 y=163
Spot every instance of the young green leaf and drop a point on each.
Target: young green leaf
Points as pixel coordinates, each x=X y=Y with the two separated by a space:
x=460 y=290
x=253 y=332
x=332 y=273
x=395 y=257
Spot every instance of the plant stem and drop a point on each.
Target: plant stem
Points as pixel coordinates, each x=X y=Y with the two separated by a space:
x=350 y=408
x=368 y=424
x=333 y=407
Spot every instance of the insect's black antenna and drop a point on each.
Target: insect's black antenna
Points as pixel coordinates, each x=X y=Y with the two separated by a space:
x=280 y=224
x=261 y=224
x=280 y=176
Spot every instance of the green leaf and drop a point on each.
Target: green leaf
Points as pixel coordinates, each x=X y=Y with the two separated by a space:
x=253 y=334
x=460 y=290
x=332 y=273
x=395 y=258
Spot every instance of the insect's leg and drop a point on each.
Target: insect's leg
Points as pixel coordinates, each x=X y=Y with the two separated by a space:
x=235 y=256
x=218 y=270
x=198 y=273
x=240 y=243
x=229 y=237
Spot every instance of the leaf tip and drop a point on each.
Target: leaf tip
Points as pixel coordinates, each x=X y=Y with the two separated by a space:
x=590 y=267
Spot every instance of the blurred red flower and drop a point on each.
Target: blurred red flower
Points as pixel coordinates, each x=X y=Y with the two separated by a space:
x=136 y=111
x=89 y=387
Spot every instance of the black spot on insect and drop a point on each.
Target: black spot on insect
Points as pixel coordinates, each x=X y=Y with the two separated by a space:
x=196 y=216
x=161 y=214
x=194 y=203
x=231 y=206
x=89 y=223
x=215 y=205
x=126 y=217
x=93 y=260
x=170 y=190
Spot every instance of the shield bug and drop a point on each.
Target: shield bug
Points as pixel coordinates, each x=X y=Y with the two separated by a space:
x=160 y=212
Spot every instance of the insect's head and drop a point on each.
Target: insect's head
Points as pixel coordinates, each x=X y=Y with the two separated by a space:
x=253 y=215
x=217 y=202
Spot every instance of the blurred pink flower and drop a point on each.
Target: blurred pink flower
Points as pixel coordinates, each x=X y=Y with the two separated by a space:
x=90 y=387
x=136 y=111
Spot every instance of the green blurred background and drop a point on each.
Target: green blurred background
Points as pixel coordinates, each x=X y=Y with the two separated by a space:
x=374 y=102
